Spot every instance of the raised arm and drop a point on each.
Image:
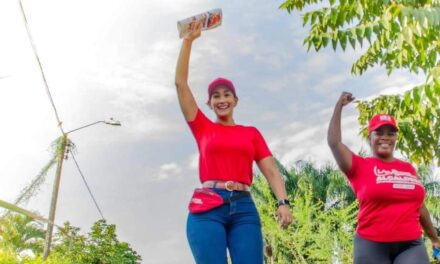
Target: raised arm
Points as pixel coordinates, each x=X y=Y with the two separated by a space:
x=425 y=221
x=186 y=99
x=268 y=168
x=341 y=153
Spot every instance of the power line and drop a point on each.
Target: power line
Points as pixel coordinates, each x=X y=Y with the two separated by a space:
x=87 y=185
x=41 y=67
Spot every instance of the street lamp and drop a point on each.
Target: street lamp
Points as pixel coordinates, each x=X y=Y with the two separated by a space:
x=56 y=184
x=110 y=122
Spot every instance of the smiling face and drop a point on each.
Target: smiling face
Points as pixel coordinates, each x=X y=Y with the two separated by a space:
x=222 y=102
x=382 y=141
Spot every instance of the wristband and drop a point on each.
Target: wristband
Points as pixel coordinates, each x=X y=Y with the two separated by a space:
x=436 y=253
x=283 y=202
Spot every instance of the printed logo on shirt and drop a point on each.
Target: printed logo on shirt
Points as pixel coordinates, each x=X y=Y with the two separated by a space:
x=400 y=179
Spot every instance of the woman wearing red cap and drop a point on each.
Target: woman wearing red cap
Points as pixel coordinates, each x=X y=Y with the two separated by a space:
x=227 y=151
x=391 y=209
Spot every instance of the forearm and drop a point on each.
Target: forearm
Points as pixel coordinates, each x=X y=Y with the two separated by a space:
x=184 y=94
x=183 y=63
x=276 y=182
x=428 y=227
x=334 y=130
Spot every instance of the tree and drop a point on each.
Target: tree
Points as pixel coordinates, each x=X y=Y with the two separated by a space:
x=8 y=256
x=399 y=34
x=324 y=210
x=99 y=246
x=21 y=233
x=324 y=215
x=432 y=188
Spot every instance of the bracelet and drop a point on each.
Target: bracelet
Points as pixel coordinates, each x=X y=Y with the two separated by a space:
x=283 y=202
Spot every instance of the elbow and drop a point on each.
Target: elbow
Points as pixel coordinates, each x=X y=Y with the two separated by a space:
x=180 y=83
x=332 y=143
x=332 y=140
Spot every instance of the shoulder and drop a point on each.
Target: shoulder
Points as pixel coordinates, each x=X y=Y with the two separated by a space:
x=200 y=117
x=405 y=164
x=254 y=130
x=358 y=158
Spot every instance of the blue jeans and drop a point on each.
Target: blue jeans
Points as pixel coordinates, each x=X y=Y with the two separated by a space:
x=235 y=226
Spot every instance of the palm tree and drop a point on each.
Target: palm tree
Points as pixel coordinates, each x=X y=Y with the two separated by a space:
x=324 y=209
x=432 y=188
x=328 y=184
x=20 y=233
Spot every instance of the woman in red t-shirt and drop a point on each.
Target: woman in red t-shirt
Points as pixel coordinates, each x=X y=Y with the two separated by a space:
x=227 y=151
x=391 y=209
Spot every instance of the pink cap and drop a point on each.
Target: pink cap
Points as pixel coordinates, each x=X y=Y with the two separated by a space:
x=381 y=120
x=220 y=82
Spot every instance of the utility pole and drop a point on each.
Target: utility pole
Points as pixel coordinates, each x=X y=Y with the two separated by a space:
x=53 y=203
x=56 y=185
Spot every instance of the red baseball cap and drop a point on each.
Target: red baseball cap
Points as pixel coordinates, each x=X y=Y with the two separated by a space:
x=381 y=120
x=220 y=82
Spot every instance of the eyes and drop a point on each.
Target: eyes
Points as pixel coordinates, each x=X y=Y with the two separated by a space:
x=218 y=95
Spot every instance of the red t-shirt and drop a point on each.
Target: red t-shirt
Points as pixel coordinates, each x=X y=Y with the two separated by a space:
x=390 y=196
x=227 y=152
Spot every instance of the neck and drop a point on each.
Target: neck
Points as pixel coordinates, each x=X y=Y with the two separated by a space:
x=384 y=158
x=226 y=120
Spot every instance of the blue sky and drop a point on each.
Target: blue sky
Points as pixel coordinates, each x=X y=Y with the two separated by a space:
x=117 y=59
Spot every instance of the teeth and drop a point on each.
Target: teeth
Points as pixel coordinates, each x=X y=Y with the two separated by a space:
x=222 y=107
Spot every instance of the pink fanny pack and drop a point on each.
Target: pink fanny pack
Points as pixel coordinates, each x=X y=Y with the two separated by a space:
x=205 y=199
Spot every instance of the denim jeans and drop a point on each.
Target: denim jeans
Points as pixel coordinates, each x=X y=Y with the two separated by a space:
x=235 y=226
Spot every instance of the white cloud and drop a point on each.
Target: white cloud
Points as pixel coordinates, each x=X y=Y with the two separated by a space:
x=194 y=161
x=311 y=143
x=396 y=84
x=318 y=63
x=289 y=81
x=117 y=58
x=330 y=83
x=167 y=171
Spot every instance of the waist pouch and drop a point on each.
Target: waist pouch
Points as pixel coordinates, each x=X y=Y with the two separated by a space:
x=205 y=199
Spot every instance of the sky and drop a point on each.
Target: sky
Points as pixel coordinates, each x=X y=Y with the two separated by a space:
x=116 y=58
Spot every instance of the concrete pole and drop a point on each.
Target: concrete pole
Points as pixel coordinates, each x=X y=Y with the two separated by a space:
x=53 y=204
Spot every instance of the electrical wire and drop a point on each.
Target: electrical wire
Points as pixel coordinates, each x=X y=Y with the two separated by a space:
x=41 y=67
x=87 y=185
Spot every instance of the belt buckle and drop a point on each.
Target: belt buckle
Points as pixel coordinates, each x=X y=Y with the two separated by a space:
x=229 y=185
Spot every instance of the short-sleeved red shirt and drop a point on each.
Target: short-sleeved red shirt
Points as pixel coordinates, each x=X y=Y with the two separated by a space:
x=390 y=196
x=227 y=152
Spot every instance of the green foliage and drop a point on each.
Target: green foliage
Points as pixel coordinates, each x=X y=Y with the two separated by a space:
x=432 y=188
x=13 y=208
x=324 y=215
x=22 y=240
x=19 y=233
x=418 y=117
x=52 y=259
x=36 y=183
x=398 y=34
x=401 y=34
x=33 y=188
x=8 y=256
x=101 y=245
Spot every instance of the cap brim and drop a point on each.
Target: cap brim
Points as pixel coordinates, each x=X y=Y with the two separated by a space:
x=381 y=125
